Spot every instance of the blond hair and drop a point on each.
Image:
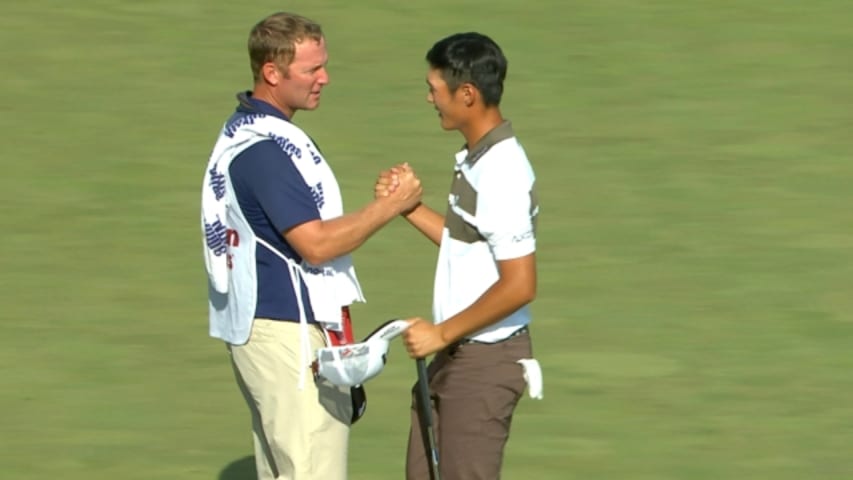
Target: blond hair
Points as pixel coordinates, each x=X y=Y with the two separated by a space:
x=274 y=39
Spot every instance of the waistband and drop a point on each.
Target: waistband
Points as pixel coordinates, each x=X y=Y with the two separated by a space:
x=521 y=331
x=287 y=320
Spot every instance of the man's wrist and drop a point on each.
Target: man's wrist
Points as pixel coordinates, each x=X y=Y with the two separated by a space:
x=406 y=213
x=444 y=334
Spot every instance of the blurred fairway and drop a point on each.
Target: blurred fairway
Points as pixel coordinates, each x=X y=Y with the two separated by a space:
x=695 y=317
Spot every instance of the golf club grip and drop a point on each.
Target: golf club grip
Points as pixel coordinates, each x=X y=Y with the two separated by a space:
x=425 y=410
x=423 y=387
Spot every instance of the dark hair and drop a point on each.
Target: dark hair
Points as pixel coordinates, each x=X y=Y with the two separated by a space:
x=471 y=58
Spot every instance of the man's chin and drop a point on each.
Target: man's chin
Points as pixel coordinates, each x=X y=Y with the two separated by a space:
x=312 y=104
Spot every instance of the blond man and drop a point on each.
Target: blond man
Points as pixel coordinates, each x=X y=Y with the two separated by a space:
x=277 y=245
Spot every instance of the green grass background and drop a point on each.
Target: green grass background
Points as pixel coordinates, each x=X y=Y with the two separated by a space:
x=696 y=251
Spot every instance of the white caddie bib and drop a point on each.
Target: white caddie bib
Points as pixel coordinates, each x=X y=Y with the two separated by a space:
x=230 y=243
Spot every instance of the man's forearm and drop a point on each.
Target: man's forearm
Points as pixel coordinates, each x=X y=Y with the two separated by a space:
x=427 y=221
x=515 y=288
x=341 y=235
x=497 y=303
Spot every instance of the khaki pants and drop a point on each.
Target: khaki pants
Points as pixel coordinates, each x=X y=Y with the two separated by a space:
x=475 y=388
x=298 y=435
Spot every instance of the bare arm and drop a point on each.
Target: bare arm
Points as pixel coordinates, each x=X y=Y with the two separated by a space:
x=515 y=288
x=428 y=221
x=319 y=241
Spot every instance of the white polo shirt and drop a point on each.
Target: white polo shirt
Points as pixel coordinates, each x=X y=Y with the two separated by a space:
x=491 y=216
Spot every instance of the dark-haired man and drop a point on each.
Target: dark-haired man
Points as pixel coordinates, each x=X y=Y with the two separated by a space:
x=486 y=272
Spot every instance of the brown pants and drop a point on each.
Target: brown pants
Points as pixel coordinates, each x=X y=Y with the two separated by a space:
x=475 y=388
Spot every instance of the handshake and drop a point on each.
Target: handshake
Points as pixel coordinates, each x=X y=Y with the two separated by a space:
x=400 y=187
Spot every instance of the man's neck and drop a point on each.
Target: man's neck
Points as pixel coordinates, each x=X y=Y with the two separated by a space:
x=482 y=123
x=264 y=94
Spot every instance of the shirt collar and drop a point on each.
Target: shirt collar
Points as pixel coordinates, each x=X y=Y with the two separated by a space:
x=496 y=135
x=249 y=104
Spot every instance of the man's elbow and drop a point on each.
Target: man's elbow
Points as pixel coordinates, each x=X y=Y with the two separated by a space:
x=311 y=242
x=315 y=256
x=312 y=252
x=528 y=294
x=525 y=293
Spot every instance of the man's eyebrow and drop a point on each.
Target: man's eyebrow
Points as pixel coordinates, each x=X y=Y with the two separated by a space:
x=316 y=67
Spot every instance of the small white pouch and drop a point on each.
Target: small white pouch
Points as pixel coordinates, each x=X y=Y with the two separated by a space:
x=533 y=377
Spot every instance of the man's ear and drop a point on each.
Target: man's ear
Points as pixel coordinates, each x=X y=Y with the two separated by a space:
x=470 y=94
x=271 y=73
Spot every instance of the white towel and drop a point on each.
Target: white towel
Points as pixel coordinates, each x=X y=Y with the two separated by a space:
x=533 y=377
